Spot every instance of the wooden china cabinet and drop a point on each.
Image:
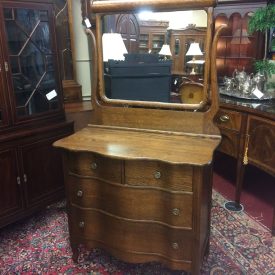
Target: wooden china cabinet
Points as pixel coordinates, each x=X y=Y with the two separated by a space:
x=31 y=110
x=237 y=48
x=139 y=178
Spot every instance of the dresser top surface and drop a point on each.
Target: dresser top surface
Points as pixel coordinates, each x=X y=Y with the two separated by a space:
x=128 y=143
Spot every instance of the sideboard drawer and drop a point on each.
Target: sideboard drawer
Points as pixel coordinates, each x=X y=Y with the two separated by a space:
x=230 y=142
x=229 y=119
x=92 y=165
x=159 y=175
x=261 y=143
x=126 y=235
x=162 y=207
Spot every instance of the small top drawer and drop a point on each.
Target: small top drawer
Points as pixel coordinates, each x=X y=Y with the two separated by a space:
x=158 y=174
x=229 y=119
x=92 y=165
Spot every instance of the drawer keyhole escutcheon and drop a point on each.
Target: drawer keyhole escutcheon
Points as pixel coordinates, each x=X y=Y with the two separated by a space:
x=176 y=212
x=94 y=165
x=175 y=246
x=79 y=193
x=81 y=224
x=157 y=175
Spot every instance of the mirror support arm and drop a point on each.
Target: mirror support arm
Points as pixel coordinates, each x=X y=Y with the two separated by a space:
x=213 y=71
x=209 y=127
x=94 y=71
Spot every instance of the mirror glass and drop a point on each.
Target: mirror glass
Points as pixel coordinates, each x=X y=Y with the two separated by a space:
x=149 y=56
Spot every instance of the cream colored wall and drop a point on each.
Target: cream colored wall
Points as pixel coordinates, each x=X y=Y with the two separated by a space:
x=82 y=58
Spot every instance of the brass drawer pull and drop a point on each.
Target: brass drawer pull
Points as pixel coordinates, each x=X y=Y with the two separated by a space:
x=176 y=212
x=93 y=165
x=81 y=224
x=224 y=118
x=175 y=246
x=79 y=193
x=157 y=175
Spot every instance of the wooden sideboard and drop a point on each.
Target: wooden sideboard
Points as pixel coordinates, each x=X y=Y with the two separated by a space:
x=248 y=134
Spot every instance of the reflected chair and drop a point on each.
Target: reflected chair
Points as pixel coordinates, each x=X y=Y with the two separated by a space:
x=191 y=92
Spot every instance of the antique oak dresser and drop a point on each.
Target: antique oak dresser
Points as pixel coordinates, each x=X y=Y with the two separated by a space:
x=139 y=178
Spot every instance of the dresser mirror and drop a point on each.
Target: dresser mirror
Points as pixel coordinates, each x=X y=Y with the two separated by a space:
x=147 y=57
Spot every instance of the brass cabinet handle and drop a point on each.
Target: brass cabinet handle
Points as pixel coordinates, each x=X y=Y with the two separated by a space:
x=94 y=165
x=157 y=175
x=81 y=224
x=79 y=193
x=175 y=211
x=224 y=118
x=175 y=246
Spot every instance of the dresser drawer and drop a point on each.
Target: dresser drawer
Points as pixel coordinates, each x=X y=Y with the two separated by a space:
x=229 y=119
x=132 y=202
x=92 y=165
x=131 y=236
x=158 y=175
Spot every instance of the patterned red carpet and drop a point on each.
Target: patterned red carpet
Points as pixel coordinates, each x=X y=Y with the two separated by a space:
x=39 y=245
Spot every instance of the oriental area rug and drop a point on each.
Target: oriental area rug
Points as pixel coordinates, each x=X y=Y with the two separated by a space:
x=40 y=245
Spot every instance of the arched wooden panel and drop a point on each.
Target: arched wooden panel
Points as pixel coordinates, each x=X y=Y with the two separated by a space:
x=128 y=26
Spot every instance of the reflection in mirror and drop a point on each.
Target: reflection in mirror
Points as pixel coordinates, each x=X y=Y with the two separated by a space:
x=150 y=56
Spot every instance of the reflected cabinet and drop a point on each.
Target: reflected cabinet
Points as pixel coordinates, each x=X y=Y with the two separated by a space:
x=180 y=41
x=31 y=109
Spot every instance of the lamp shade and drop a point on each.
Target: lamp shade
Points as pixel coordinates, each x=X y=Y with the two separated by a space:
x=165 y=50
x=113 y=46
x=194 y=49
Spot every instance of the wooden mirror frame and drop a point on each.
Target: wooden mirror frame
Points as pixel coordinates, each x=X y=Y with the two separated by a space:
x=101 y=8
x=170 y=117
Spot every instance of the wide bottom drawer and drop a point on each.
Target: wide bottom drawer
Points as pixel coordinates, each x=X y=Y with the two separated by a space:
x=133 y=202
x=140 y=237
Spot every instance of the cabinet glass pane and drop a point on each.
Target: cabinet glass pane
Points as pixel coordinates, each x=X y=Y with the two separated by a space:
x=3 y=105
x=31 y=60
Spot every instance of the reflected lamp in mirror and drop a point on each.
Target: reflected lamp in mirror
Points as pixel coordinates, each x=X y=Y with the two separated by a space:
x=165 y=52
x=194 y=50
x=240 y=37
x=113 y=47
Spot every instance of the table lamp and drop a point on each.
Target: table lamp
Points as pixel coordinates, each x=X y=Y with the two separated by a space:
x=194 y=50
x=113 y=47
x=165 y=51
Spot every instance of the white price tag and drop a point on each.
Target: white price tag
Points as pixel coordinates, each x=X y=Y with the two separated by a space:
x=51 y=94
x=257 y=93
x=87 y=23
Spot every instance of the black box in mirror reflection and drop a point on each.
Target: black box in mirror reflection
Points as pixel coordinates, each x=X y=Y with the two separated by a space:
x=140 y=77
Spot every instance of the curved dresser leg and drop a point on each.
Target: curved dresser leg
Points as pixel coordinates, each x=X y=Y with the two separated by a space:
x=74 y=247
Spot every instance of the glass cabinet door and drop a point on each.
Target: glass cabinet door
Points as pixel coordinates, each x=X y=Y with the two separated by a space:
x=31 y=58
x=3 y=95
